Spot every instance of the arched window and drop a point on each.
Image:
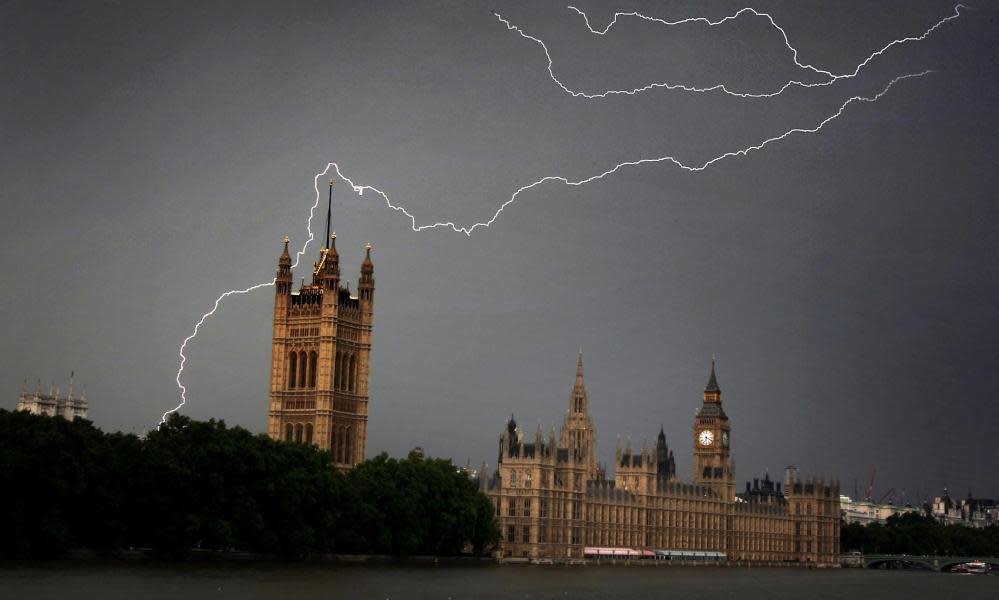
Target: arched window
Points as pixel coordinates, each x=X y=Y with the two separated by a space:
x=298 y=433
x=292 y=363
x=353 y=371
x=308 y=433
x=288 y=432
x=336 y=370
x=343 y=371
x=301 y=369
x=313 y=363
x=333 y=443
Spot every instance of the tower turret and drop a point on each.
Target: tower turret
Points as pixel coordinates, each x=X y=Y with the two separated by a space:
x=366 y=284
x=283 y=277
x=328 y=272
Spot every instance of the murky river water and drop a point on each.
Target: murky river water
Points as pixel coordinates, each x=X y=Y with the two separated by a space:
x=396 y=582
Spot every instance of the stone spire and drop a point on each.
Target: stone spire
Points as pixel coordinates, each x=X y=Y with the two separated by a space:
x=712 y=380
x=283 y=278
x=579 y=399
x=328 y=270
x=712 y=393
x=366 y=284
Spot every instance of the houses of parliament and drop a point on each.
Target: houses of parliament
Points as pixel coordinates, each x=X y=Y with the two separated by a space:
x=321 y=356
x=554 y=502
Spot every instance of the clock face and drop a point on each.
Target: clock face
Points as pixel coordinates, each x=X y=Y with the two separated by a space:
x=706 y=438
x=725 y=439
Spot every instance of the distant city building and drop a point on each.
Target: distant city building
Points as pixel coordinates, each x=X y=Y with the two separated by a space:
x=865 y=511
x=321 y=356
x=972 y=512
x=53 y=404
x=554 y=502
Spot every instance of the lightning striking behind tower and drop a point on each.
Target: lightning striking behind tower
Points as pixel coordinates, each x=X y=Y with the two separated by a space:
x=359 y=189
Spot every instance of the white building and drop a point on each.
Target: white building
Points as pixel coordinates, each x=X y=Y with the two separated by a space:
x=52 y=404
x=865 y=511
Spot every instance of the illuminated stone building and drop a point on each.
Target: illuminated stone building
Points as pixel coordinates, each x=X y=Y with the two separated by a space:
x=321 y=356
x=554 y=502
x=53 y=403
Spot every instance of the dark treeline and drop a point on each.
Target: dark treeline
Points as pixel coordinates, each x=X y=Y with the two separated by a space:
x=920 y=535
x=67 y=485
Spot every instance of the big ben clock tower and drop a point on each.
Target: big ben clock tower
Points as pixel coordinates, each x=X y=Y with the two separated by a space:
x=712 y=443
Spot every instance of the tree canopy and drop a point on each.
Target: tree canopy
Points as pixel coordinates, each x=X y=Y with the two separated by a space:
x=193 y=484
x=919 y=535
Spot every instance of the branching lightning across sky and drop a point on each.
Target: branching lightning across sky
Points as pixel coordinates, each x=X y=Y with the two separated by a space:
x=467 y=230
x=204 y=317
x=360 y=189
x=831 y=77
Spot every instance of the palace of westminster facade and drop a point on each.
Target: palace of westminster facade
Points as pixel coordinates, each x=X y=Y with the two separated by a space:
x=552 y=499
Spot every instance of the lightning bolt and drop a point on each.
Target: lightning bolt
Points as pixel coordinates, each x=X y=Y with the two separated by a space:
x=218 y=301
x=467 y=230
x=831 y=77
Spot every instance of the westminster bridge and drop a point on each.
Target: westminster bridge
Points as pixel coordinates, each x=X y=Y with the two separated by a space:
x=935 y=563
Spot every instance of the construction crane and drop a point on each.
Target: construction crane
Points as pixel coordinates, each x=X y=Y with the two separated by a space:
x=887 y=496
x=870 y=486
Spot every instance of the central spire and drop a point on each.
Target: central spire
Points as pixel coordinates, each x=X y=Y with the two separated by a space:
x=579 y=387
x=712 y=380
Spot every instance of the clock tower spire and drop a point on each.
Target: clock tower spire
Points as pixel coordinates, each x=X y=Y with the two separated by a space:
x=713 y=466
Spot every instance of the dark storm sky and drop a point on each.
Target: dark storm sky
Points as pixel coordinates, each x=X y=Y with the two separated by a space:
x=154 y=154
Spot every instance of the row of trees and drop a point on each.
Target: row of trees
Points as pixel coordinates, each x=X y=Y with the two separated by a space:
x=192 y=484
x=921 y=535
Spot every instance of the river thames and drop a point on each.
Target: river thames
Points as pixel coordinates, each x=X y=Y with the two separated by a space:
x=389 y=582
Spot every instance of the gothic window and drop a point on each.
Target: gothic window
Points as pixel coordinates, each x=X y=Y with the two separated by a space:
x=313 y=363
x=527 y=507
x=333 y=441
x=336 y=371
x=288 y=432
x=527 y=479
x=511 y=507
x=292 y=363
x=308 y=433
x=298 y=433
x=509 y=533
x=527 y=534
x=353 y=372
x=513 y=479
